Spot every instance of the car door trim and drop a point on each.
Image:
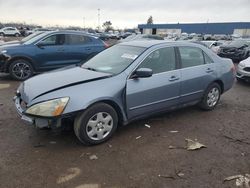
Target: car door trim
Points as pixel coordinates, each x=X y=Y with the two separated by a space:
x=156 y=102
x=192 y=93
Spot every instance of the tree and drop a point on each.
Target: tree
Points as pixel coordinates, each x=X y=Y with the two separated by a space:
x=150 y=20
x=107 y=26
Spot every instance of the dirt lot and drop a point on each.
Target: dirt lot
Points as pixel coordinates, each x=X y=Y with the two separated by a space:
x=42 y=158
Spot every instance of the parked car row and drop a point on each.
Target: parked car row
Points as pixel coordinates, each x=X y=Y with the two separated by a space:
x=44 y=51
x=10 y=31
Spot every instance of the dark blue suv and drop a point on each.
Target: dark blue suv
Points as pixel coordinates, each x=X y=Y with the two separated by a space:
x=48 y=51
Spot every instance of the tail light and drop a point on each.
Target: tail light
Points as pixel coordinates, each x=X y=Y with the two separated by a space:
x=233 y=69
x=105 y=45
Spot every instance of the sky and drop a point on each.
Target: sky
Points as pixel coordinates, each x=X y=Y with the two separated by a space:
x=122 y=13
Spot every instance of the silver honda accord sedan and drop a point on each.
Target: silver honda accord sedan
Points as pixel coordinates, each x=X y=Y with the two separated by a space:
x=126 y=82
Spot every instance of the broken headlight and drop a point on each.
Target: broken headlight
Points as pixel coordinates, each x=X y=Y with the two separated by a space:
x=49 y=108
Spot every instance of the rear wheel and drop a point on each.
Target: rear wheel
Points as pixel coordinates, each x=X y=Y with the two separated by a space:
x=21 y=69
x=1 y=34
x=17 y=35
x=211 y=97
x=96 y=125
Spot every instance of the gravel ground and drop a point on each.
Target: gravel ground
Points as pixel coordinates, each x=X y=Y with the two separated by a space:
x=137 y=156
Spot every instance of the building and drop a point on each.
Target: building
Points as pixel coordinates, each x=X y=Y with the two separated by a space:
x=229 y=28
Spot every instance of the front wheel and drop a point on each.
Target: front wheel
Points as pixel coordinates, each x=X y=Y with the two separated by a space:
x=211 y=97
x=21 y=69
x=17 y=35
x=96 y=125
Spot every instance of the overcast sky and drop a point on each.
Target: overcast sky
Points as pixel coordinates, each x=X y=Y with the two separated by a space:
x=122 y=13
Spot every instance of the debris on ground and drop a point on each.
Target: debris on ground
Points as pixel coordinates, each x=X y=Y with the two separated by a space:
x=39 y=145
x=148 y=126
x=176 y=147
x=52 y=142
x=167 y=176
x=244 y=141
x=109 y=145
x=194 y=145
x=241 y=181
x=138 y=137
x=173 y=131
x=4 y=86
x=93 y=157
x=178 y=174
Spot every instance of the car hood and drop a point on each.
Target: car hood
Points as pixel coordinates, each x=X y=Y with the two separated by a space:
x=5 y=46
x=55 y=80
x=10 y=43
x=246 y=62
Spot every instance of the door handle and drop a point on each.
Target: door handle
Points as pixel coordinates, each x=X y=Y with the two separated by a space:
x=173 y=78
x=209 y=70
x=88 y=49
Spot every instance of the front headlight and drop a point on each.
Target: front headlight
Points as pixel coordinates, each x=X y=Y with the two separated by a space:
x=50 y=108
x=3 y=51
x=243 y=65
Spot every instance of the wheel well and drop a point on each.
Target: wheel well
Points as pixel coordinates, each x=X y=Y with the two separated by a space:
x=116 y=107
x=16 y=58
x=220 y=84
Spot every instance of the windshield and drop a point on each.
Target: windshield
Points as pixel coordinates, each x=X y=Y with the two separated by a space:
x=114 y=60
x=35 y=38
x=31 y=36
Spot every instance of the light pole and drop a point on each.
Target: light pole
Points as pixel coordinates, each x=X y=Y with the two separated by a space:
x=98 y=19
x=83 y=22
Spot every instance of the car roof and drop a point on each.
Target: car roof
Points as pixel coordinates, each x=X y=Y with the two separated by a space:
x=150 y=43
x=69 y=32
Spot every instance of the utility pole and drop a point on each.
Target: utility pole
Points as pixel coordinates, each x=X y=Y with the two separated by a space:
x=83 y=22
x=99 y=19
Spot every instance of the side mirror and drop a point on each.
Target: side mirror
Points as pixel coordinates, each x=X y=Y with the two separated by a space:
x=40 y=45
x=142 y=73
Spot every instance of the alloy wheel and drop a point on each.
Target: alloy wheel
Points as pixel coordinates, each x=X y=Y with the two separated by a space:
x=99 y=126
x=213 y=97
x=21 y=70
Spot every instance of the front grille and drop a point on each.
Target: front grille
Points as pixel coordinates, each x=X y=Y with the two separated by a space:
x=247 y=69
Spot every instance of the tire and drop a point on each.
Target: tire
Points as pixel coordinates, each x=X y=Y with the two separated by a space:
x=21 y=69
x=17 y=35
x=1 y=34
x=90 y=126
x=211 y=97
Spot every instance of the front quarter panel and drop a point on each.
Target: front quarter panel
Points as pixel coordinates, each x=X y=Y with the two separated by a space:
x=84 y=95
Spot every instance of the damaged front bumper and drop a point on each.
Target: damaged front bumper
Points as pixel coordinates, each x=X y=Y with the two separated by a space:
x=34 y=121
x=3 y=62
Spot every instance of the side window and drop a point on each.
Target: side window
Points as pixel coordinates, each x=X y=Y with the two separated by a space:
x=77 y=39
x=207 y=59
x=161 y=60
x=191 y=56
x=54 y=40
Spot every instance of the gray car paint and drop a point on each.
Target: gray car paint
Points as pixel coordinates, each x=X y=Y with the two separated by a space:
x=133 y=97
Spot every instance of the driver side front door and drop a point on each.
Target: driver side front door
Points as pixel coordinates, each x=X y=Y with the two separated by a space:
x=160 y=91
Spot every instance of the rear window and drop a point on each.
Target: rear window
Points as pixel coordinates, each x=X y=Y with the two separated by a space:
x=191 y=56
x=77 y=39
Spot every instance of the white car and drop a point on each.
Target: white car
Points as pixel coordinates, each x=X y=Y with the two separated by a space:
x=10 y=31
x=243 y=70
